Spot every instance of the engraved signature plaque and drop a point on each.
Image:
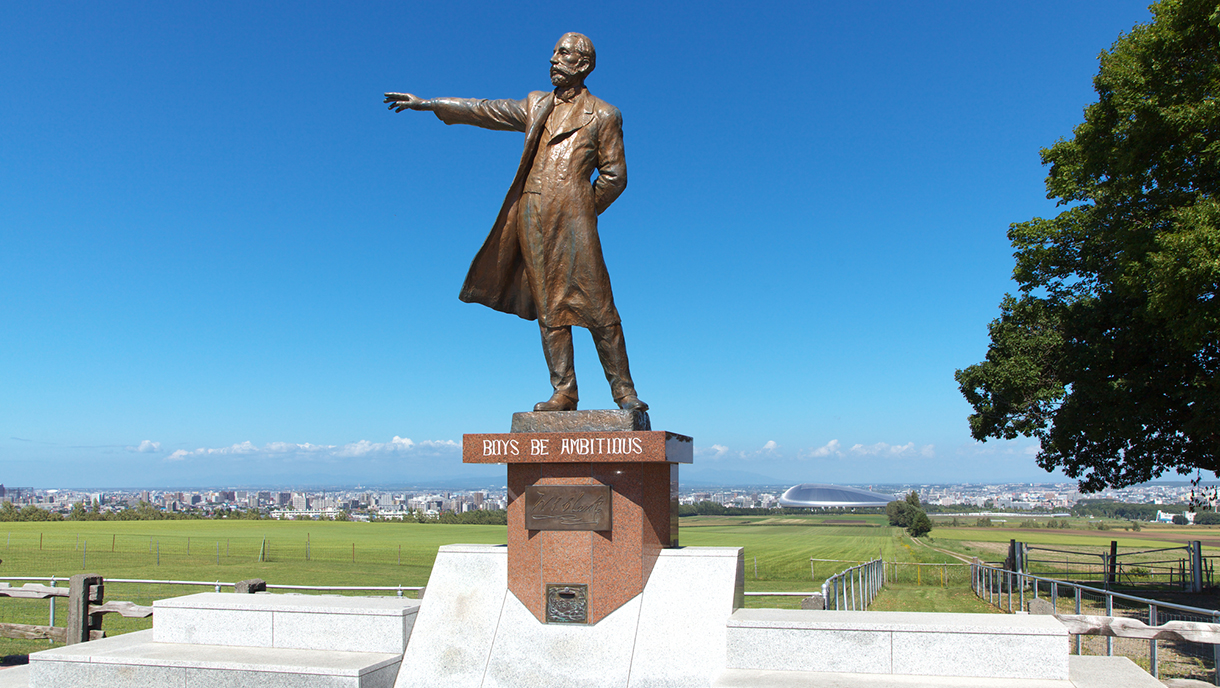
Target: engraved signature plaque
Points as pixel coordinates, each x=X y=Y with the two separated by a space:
x=567 y=507
x=567 y=603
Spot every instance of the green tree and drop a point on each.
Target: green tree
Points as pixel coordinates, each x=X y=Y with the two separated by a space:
x=899 y=513
x=920 y=525
x=1110 y=354
x=1207 y=518
x=1179 y=520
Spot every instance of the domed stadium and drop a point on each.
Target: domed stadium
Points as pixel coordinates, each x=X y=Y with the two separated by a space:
x=814 y=495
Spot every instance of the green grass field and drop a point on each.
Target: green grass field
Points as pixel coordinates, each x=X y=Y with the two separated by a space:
x=777 y=555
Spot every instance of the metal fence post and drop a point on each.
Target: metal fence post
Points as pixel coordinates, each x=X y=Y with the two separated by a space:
x=1216 y=655
x=1109 y=612
x=1077 y=611
x=52 y=603
x=854 y=589
x=1152 y=643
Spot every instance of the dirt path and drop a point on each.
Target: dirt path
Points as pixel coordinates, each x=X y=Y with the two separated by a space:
x=955 y=555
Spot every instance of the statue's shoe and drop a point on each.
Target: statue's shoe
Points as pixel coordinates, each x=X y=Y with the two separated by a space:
x=557 y=402
x=631 y=403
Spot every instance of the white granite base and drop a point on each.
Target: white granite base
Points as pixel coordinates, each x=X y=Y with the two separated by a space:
x=472 y=632
x=303 y=622
x=920 y=644
x=1083 y=672
x=134 y=660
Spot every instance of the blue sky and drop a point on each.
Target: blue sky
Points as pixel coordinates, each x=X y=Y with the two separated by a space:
x=223 y=261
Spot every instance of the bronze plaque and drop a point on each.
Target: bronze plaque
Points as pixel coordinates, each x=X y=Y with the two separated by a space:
x=567 y=603
x=567 y=507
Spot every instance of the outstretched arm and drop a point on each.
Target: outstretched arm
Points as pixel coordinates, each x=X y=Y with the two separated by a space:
x=490 y=114
x=405 y=101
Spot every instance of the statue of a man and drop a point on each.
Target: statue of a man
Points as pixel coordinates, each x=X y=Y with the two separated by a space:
x=543 y=259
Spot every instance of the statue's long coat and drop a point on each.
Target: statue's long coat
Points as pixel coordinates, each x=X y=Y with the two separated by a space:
x=556 y=273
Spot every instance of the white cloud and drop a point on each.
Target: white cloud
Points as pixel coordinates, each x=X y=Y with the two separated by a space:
x=362 y=448
x=831 y=448
x=719 y=451
x=146 y=446
x=892 y=450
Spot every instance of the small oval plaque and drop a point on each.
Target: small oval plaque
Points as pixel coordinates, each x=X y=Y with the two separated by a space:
x=567 y=507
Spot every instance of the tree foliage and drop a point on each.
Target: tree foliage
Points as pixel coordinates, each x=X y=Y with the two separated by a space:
x=908 y=513
x=920 y=526
x=1109 y=354
x=1207 y=518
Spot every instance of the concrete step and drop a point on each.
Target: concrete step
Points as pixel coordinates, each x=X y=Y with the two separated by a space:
x=15 y=676
x=1083 y=672
x=135 y=660
x=303 y=622
x=899 y=643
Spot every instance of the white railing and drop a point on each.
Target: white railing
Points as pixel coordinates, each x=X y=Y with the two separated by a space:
x=854 y=588
x=1017 y=591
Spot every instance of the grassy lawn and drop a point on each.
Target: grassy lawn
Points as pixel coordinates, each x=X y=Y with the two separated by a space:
x=904 y=597
x=777 y=556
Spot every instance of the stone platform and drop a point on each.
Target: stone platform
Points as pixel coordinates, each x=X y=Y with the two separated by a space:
x=594 y=420
x=134 y=660
x=243 y=640
x=899 y=643
x=472 y=632
x=1083 y=672
x=303 y=622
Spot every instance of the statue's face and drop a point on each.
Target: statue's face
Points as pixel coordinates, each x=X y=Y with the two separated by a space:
x=567 y=64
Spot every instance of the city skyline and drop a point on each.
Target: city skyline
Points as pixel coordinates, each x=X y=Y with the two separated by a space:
x=224 y=257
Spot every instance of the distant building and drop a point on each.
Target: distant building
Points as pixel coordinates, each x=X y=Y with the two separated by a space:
x=816 y=495
x=1163 y=517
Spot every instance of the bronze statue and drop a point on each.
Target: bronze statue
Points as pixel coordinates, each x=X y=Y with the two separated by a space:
x=543 y=258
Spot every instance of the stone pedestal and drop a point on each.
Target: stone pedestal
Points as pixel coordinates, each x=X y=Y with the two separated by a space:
x=591 y=505
x=472 y=634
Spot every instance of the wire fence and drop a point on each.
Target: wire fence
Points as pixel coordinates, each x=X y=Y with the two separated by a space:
x=1164 y=567
x=1014 y=591
x=29 y=551
x=942 y=575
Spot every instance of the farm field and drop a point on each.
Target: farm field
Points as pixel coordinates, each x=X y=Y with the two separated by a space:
x=991 y=544
x=385 y=554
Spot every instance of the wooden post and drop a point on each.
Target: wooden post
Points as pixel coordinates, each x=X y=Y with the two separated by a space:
x=1113 y=563
x=83 y=589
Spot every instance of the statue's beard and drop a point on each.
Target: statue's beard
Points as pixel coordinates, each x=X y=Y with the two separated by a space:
x=562 y=78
